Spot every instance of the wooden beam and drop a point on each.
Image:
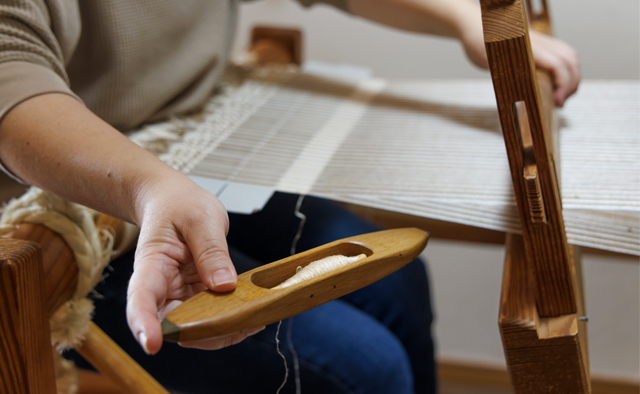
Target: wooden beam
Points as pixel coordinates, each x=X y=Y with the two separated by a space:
x=436 y=228
x=544 y=355
x=526 y=121
x=26 y=357
x=542 y=305
x=104 y=354
x=58 y=263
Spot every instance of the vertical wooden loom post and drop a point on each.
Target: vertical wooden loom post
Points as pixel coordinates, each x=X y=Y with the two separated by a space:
x=543 y=335
x=26 y=358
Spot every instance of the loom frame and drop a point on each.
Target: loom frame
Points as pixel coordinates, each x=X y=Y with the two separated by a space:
x=542 y=310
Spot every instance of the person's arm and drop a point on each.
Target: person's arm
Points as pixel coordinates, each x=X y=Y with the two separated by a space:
x=461 y=19
x=54 y=142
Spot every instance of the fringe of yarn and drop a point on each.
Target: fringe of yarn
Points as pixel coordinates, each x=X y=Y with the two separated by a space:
x=67 y=376
x=70 y=324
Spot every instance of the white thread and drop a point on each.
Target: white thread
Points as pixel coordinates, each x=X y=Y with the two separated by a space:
x=303 y=220
x=286 y=368
x=296 y=364
x=303 y=173
x=313 y=269
x=320 y=267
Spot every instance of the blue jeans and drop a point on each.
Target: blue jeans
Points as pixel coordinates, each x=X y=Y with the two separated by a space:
x=375 y=340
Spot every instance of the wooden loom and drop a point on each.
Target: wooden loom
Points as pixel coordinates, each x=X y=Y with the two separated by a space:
x=541 y=303
x=542 y=306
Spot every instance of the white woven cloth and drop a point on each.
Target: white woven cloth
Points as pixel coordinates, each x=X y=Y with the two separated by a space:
x=426 y=148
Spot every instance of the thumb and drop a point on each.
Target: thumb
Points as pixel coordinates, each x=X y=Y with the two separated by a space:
x=207 y=241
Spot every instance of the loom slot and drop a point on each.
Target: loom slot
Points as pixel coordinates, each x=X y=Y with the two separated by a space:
x=319 y=267
x=530 y=168
x=276 y=275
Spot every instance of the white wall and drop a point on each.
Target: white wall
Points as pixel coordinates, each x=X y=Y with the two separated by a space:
x=605 y=33
x=466 y=280
x=466 y=277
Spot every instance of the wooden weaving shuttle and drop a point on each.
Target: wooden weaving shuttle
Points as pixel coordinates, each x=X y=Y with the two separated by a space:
x=255 y=302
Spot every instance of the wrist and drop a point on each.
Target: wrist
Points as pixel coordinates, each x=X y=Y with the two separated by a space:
x=150 y=184
x=471 y=35
x=468 y=22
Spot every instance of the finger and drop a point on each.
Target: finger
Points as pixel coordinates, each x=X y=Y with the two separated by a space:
x=168 y=307
x=572 y=61
x=561 y=60
x=206 y=237
x=189 y=273
x=563 y=83
x=221 y=342
x=147 y=290
x=560 y=75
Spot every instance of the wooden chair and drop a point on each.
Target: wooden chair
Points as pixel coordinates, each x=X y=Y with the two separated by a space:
x=38 y=273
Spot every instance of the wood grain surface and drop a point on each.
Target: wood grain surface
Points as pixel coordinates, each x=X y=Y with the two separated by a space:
x=31 y=292
x=114 y=363
x=543 y=335
x=254 y=303
x=544 y=355
x=26 y=358
x=515 y=80
x=58 y=263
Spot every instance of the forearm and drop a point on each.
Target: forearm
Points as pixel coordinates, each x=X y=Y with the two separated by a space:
x=54 y=142
x=447 y=18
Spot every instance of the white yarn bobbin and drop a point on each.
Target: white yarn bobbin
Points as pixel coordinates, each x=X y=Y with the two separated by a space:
x=320 y=267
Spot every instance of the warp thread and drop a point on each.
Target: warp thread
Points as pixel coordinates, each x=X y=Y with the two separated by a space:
x=296 y=364
x=286 y=367
x=303 y=220
x=313 y=269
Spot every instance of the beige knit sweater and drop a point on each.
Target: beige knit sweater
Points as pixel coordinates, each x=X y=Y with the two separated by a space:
x=129 y=61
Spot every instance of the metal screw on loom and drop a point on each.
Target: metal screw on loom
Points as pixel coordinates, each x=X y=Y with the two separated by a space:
x=584 y=318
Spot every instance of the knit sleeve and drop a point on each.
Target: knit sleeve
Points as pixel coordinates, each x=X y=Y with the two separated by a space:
x=340 y=4
x=37 y=39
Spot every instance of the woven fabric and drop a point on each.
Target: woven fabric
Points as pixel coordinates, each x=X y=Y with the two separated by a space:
x=427 y=148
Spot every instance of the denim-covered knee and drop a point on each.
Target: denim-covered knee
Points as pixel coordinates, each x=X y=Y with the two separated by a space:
x=382 y=367
x=391 y=373
x=349 y=347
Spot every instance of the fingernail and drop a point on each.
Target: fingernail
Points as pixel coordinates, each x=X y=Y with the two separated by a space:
x=255 y=331
x=142 y=338
x=222 y=277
